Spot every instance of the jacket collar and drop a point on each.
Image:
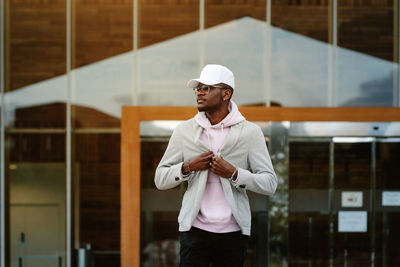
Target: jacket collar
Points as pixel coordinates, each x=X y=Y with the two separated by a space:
x=231 y=139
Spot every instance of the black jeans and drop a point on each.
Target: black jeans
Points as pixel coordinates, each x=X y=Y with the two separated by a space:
x=199 y=248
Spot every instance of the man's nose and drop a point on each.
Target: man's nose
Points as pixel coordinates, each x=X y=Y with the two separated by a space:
x=200 y=92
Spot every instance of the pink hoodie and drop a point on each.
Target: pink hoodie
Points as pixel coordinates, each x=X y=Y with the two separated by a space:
x=215 y=214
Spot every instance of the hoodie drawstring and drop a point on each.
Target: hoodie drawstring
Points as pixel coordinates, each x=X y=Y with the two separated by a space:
x=209 y=140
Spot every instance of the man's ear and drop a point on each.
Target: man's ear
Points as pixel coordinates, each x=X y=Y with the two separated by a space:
x=226 y=94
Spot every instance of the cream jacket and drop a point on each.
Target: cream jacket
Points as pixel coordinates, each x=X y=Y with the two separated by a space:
x=244 y=148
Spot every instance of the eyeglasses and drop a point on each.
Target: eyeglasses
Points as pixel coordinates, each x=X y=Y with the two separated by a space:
x=205 y=88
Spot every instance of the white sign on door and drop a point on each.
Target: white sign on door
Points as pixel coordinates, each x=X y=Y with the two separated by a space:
x=352 y=221
x=391 y=198
x=352 y=199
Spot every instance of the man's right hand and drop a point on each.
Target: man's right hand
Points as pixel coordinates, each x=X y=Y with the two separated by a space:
x=201 y=162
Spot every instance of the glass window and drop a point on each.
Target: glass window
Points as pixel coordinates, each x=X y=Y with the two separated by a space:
x=162 y=20
x=309 y=165
x=159 y=210
x=35 y=132
x=102 y=39
x=387 y=169
x=367 y=27
x=165 y=68
x=365 y=72
x=36 y=42
x=299 y=77
x=96 y=174
x=363 y=80
x=308 y=239
x=218 y=11
x=36 y=49
x=99 y=91
x=308 y=18
x=353 y=173
x=351 y=161
x=101 y=29
x=36 y=172
x=308 y=203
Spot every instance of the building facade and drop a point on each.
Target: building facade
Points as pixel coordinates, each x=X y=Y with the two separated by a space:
x=68 y=66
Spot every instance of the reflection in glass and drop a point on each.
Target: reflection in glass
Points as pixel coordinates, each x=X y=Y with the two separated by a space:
x=160 y=209
x=37 y=42
x=164 y=69
x=162 y=20
x=367 y=27
x=308 y=210
x=35 y=91
x=41 y=105
x=99 y=90
x=36 y=175
x=35 y=115
x=310 y=18
x=218 y=12
x=387 y=169
x=351 y=160
x=101 y=29
x=365 y=70
x=363 y=80
x=353 y=173
x=103 y=37
x=299 y=77
x=96 y=175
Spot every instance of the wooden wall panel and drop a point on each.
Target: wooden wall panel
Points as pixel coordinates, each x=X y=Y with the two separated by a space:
x=309 y=166
x=309 y=18
x=101 y=29
x=36 y=41
x=367 y=27
x=221 y=11
x=36 y=30
x=99 y=206
x=162 y=20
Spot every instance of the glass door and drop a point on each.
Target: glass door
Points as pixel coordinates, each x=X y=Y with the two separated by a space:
x=309 y=217
x=337 y=203
x=388 y=200
x=353 y=202
x=160 y=208
x=344 y=201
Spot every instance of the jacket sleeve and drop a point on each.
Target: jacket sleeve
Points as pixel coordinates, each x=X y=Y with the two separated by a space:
x=262 y=179
x=168 y=172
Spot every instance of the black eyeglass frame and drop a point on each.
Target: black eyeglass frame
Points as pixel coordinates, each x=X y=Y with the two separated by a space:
x=206 y=88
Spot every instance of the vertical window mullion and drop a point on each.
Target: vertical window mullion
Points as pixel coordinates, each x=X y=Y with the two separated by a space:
x=68 y=137
x=2 y=165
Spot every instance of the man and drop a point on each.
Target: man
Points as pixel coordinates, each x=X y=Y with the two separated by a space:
x=214 y=152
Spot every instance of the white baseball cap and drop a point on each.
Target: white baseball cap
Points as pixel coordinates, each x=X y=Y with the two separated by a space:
x=214 y=74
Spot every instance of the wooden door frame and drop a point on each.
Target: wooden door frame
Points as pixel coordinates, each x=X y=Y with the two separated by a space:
x=130 y=151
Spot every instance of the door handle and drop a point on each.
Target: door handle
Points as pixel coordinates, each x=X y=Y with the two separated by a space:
x=22 y=239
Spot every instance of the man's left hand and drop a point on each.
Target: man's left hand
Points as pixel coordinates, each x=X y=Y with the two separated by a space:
x=221 y=167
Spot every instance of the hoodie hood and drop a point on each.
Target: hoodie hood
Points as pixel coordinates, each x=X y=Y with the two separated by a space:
x=234 y=116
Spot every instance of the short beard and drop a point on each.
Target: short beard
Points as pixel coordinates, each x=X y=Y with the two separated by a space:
x=202 y=109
